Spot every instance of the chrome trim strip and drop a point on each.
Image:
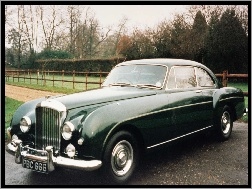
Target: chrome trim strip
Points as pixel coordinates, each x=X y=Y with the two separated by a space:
x=235 y=97
x=179 y=137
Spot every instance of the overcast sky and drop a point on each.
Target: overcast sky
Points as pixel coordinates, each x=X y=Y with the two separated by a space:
x=140 y=16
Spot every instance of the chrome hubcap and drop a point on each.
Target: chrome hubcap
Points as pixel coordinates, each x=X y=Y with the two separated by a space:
x=225 y=122
x=122 y=158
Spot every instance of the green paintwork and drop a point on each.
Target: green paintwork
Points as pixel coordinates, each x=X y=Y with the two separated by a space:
x=156 y=115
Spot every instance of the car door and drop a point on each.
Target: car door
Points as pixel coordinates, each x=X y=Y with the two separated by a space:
x=189 y=106
x=207 y=86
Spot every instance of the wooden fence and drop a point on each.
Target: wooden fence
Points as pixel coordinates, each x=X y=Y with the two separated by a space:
x=53 y=76
x=225 y=77
x=43 y=76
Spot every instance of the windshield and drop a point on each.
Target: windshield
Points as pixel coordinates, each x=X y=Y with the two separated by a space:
x=152 y=76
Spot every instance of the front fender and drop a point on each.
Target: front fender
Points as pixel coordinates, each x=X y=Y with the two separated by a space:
x=27 y=109
x=98 y=125
x=101 y=123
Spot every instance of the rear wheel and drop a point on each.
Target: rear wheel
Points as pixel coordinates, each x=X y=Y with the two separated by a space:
x=225 y=124
x=120 y=157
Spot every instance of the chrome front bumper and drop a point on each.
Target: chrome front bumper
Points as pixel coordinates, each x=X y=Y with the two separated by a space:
x=16 y=148
x=245 y=112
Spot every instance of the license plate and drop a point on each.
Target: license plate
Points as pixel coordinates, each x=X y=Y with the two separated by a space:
x=35 y=165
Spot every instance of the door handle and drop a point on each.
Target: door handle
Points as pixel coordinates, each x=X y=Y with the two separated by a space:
x=198 y=91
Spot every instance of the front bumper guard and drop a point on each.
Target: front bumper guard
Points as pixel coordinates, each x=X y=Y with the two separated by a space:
x=16 y=148
x=245 y=112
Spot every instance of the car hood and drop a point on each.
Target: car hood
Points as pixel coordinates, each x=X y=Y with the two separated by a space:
x=103 y=95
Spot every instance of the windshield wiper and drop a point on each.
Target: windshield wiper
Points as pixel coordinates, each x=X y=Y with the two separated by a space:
x=147 y=86
x=120 y=84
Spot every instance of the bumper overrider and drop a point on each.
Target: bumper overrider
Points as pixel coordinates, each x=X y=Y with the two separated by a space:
x=44 y=160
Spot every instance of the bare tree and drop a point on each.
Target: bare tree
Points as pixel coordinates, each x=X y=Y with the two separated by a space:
x=95 y=39
x=49 y=25
x=9 y=12
x=30 y=22
x=20 y=29
x=84 y=32
x=119 y=33
x=74 y=16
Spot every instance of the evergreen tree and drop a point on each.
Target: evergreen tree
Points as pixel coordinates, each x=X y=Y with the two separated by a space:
x=179 y=38
x=229 y=45
x=198 y=36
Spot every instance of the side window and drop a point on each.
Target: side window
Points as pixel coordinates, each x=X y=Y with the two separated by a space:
x=203 y=78
x=182 y=77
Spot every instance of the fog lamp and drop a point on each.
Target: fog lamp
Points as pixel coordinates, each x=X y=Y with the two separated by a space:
x=70 y=150
x=80 y=141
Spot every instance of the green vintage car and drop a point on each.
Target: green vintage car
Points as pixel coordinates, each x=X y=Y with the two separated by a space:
x=142 y=105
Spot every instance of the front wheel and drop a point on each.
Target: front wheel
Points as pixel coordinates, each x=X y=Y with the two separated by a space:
x=225 y=124
x=120 y=157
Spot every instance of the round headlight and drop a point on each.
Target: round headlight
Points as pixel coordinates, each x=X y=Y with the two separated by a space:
x=67 y=130
x=25 y=124
x=14 y=137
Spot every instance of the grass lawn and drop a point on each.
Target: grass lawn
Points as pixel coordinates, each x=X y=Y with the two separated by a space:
x=11 y=106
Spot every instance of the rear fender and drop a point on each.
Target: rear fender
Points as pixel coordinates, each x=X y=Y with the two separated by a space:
x=231 y=97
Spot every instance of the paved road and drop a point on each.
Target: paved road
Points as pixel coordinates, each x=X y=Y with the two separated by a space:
x=198 y=161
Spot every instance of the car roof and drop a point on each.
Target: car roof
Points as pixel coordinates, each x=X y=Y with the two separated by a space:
x=164 y=61
x=170 y=62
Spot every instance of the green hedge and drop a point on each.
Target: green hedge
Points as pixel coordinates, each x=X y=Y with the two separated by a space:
x=91 y=65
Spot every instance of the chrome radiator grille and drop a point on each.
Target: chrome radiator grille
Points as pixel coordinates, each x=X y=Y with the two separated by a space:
x=47 y=131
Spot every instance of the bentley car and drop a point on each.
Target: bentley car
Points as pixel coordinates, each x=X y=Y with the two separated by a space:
x=142 y=105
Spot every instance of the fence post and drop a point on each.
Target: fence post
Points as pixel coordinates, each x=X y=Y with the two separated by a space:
x=224 y=78
x=53 y=78
x=37 y=75
x=86 y=80
x=73 y=77
x=44 y=78
x=100 y=78
x=29 y=73
x=62 y=83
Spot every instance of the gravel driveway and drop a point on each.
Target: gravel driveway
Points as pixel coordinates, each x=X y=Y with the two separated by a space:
x=25 y=94
x=196 y=161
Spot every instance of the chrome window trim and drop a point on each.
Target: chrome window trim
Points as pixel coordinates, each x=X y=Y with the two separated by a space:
x=195 y=73
x=166 y=74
